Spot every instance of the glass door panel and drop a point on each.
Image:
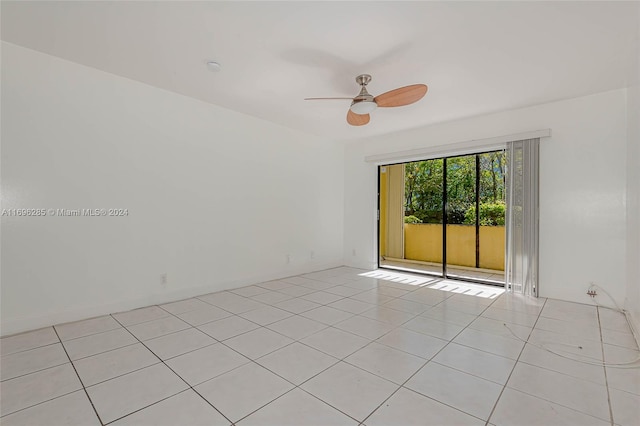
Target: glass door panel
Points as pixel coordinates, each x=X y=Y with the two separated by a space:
x=461 y=229
x=492 y=214
x=423 y=213
x=428 y=222
x=421 y=208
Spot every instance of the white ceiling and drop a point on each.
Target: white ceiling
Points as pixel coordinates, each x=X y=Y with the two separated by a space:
x=476 y=57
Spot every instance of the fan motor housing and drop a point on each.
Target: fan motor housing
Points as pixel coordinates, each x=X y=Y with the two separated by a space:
x=363 y=79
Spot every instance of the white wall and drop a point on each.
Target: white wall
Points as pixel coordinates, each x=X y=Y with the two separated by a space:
x=216 y=199
x=632 y=302
x=582 y=188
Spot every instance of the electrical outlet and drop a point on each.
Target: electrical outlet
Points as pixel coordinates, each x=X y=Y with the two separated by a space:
x=163 y=279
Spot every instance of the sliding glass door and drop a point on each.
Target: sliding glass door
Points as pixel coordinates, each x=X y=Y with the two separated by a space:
x=428 y=221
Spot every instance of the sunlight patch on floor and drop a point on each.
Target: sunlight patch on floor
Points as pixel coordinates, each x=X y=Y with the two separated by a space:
x=468 y=289
x=399 y=277
x=454 y=286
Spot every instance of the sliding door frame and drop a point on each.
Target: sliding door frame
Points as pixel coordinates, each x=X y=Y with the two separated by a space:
x=445 y=208
x=444 y=274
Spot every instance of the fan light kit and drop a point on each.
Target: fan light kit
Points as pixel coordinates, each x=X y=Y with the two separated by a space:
x=364 y=103
x=363 y=107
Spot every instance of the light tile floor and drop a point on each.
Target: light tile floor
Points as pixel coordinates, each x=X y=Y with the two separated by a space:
x=335 y=347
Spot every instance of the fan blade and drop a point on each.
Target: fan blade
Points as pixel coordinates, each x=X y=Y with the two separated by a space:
x=402 y=96
x=326 y=99
x=357 y=119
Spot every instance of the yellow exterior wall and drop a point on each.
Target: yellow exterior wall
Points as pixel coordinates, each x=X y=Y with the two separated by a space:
x=492 y=244
x=461 y=245
x=384 y=201
x=395 y=212
x=424 y=242
x=391 y=210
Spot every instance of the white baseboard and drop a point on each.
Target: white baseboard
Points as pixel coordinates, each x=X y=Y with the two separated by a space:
x=22 y=324
x=360 y=264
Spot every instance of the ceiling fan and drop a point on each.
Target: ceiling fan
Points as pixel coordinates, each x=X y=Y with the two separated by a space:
x=364 y=103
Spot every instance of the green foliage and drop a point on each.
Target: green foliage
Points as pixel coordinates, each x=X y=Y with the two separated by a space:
x=456 y=215
x=423 y=190
x=491 y=214
x=424 y=180
x=411 y=219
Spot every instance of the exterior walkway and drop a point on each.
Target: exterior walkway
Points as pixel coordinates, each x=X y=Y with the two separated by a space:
x=453 y=271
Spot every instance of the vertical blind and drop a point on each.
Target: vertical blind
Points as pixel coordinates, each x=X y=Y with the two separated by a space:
x=521 y=268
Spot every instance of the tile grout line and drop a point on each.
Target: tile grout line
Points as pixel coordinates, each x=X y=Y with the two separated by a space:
x=36 y=371
x=146 y=347
x=298 y=341
x=123 y=374
x=276 y=374
x=168 y=334
x=179 y=376
x=338 y=360
x=427 y=362
x=121 y=326
x=30 y=349
x=373 y=306
x=457 y=343
x=79 y=379
x=302 y=297
x=103 y=352
x=560 y=373
x=555 y=402
x=300 y=315
x=249 y=362
x=294 y=388
x=398 y=326
x=604 y=368
x=150 y=405
x=514 y=365
x=39 y=403
x=89 y=335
